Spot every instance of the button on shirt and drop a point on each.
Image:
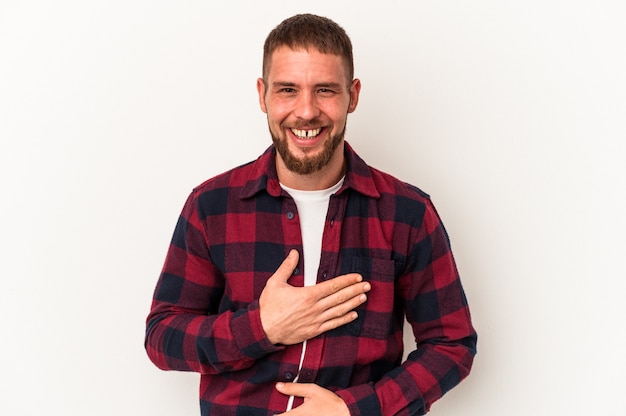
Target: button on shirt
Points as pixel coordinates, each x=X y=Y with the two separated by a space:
x=312 y=207
x=234 y=232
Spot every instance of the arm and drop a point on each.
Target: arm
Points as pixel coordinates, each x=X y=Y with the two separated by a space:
x=184 y=331
x=437 y=311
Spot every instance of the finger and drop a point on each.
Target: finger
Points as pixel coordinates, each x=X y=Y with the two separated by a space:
x=336 y=284
x=336 y=322
x=297 y=389
x=286 y=268
x=346 y=299
x=338 y=307
x=340 y=312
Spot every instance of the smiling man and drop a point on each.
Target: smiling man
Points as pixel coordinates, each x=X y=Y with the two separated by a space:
x=288 y=280
x=307 y=96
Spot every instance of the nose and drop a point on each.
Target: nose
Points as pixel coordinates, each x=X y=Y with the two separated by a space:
x=307 y=106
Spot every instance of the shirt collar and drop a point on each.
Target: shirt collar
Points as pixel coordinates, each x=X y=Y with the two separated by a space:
x=263 y=175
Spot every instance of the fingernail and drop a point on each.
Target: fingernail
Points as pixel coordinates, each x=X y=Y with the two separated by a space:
x=280 y=385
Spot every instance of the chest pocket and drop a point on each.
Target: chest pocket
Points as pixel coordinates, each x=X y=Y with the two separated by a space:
x=376 y=315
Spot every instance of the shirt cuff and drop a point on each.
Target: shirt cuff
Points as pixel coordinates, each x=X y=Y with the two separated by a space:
x=361 y=400
x=249 y=335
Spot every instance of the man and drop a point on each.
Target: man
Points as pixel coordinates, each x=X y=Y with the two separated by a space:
x=288 y=279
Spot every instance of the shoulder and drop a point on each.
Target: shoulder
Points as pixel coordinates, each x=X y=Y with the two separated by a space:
x=375 y=183
x=402 y=202
x=218 y=195
x=244 y=180
x=233 y=178
x=389 y=185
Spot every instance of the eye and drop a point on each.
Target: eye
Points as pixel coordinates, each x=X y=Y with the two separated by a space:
x=287 y=90
x=325 y=91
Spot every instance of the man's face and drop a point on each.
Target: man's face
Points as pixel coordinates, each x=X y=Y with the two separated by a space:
x=307 y=97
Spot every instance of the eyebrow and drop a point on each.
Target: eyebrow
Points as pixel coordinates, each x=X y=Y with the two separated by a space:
x=333 y=85
x=283 y=84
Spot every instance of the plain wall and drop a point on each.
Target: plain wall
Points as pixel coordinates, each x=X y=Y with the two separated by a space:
x=510 y=114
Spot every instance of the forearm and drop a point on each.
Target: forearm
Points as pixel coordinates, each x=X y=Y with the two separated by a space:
x=185 y=340
x=428 y=373
x=186 y=330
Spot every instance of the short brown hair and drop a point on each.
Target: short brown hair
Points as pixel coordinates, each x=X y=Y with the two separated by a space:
x=303 y=31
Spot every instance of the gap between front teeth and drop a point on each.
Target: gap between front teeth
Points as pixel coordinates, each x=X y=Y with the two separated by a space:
x=303 y=134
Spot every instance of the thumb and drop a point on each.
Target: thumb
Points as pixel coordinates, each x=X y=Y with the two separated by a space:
x=286 y=268
x=296 y=389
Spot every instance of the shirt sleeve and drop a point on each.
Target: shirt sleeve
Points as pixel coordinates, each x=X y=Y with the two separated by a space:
x=183 y=329
x=437 y=311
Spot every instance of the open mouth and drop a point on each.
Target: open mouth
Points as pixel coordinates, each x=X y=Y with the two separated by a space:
x=306 y=134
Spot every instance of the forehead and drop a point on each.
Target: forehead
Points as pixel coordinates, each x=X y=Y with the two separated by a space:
x=298 y=63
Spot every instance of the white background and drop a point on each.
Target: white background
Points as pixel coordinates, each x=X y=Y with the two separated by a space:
x=509 y=113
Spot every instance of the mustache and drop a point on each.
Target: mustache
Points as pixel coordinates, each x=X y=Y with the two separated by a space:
x=302 y=124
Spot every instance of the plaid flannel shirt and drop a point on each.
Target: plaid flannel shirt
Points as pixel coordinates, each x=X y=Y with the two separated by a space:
x=234 y=232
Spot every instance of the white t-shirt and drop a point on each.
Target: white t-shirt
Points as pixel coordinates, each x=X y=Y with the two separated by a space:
x=312 y=209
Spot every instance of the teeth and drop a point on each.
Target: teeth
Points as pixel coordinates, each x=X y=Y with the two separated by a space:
x=303 y=134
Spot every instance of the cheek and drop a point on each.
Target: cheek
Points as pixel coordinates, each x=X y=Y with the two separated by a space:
x=276 y=112
x=337 y=111
x=339 y=118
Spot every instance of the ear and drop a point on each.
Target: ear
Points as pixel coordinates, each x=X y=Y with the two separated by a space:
x=355 y=90
x=260 y=87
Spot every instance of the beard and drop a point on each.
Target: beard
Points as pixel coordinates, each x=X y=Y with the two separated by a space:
x=307 y=164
